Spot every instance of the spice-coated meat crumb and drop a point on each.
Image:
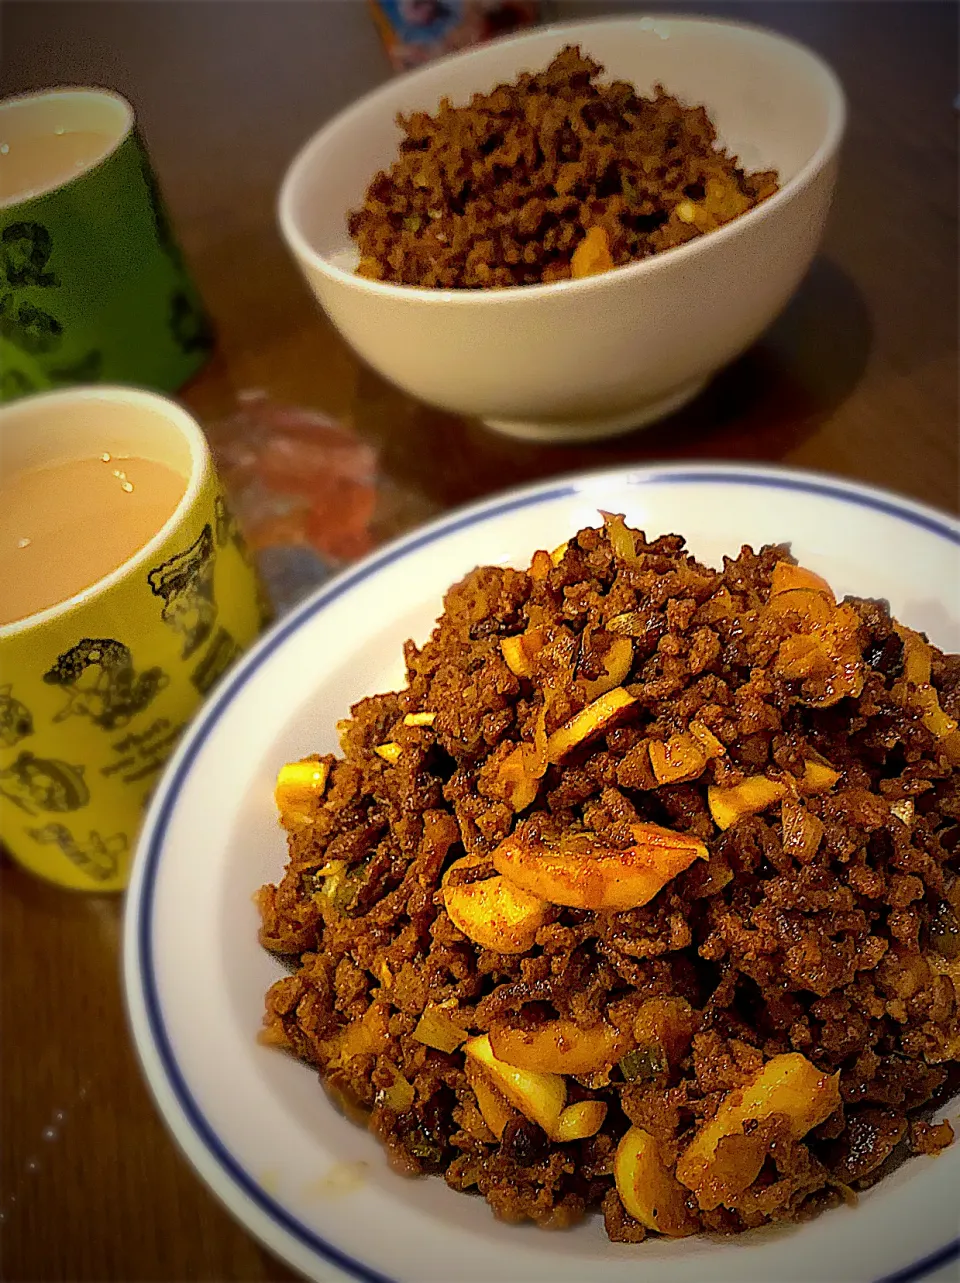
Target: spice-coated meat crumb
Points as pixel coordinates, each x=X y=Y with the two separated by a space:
x=803 y=918
x=556 y=175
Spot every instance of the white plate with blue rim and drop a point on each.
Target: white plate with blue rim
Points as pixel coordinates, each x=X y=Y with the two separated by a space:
x=256 y=1124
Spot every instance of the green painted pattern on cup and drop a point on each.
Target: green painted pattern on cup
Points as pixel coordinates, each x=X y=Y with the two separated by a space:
x=93 y=287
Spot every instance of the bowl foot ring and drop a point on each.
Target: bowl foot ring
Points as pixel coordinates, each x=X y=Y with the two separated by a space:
x=573 y=430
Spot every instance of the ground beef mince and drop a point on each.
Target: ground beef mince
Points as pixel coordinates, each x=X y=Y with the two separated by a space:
x=556 y=175
x=642 y=897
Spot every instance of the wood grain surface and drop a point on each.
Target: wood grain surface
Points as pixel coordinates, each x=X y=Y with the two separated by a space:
x=858 y=378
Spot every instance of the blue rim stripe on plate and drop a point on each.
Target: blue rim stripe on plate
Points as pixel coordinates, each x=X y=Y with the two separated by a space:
x=233 y=684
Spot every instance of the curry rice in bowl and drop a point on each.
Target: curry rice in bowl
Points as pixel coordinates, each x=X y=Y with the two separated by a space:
x=569 y=359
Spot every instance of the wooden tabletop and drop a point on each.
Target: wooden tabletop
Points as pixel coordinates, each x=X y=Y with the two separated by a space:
x=858 y=378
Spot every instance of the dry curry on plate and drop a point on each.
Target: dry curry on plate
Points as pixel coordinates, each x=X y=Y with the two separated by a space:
x=557 y=175
x=642 y=896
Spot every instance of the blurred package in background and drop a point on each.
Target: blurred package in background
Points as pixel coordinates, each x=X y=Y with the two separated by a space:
x=309 y=493
x=416 y=31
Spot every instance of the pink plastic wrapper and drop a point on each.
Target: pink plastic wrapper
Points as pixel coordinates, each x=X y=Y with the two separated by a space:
x=308 y=493
x=416 y=31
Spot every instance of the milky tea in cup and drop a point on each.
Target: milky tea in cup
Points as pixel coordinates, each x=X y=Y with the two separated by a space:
x=51 y=544
x=126 y=591
x=34 y=159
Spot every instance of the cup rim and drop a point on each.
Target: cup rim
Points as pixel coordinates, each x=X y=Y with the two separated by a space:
x=302 y=162
x=67 y=91
x=200 y=465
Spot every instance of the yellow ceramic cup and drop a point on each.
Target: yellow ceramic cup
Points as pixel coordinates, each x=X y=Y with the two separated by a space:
x=95 y=691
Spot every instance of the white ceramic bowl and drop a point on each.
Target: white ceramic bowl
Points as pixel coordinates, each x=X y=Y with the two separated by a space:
x=579 y=359
x=256 y=1124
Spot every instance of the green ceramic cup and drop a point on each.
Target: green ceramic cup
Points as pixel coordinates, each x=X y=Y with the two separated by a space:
x=92 y=284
